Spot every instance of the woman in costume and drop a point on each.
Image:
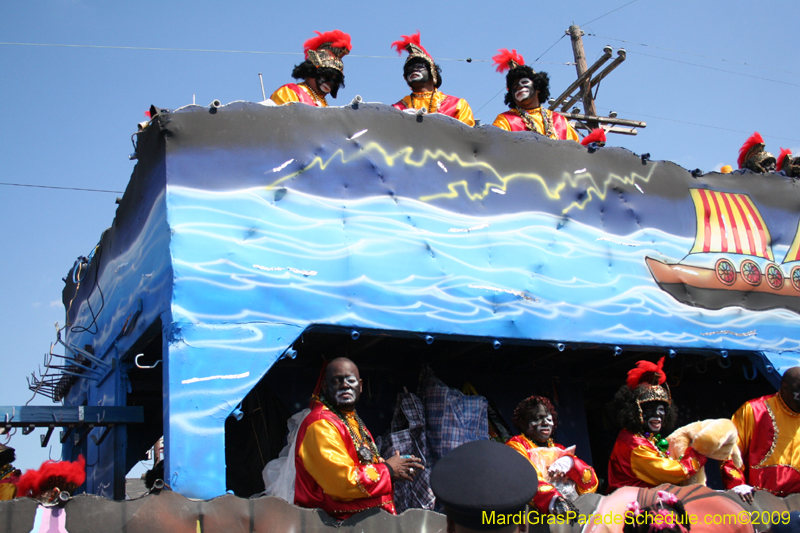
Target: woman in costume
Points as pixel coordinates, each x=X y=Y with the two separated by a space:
x=536 y=420
x=643 y=408
x=322 y=72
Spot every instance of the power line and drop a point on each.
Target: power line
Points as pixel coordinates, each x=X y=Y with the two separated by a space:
x=601 y=16
x=209 y=50
x=717 y=69
x=693 y=54
x=60 y=188
x=701 y=125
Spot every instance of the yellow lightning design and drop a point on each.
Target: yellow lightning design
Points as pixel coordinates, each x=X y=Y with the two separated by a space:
x=406 y=157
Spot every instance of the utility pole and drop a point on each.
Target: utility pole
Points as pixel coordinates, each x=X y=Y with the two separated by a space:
x=576 y=35
x=581 y=89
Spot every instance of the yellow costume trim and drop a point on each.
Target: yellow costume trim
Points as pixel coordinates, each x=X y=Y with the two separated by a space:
x=536 y=114
x=284 y=95
x=431 y=102
x=325 y=457
x=587 y=476
x=653 y=469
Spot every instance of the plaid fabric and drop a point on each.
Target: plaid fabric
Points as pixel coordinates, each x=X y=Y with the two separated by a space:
x=407 y=436
x=451 y=417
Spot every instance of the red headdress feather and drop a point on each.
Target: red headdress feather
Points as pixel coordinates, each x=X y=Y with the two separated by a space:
x=751 y=141
x=34 y=482
x=784 y=153
x=598 y=135
x=504 y=57
x=405 y=41
x=642 y=373
x=337 y=38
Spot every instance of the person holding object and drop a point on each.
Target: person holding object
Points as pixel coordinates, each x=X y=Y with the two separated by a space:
x=338 y=466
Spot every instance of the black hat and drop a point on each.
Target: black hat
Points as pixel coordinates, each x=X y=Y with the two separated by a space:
x=792 y=526
x=483 y=476
x=7 y=455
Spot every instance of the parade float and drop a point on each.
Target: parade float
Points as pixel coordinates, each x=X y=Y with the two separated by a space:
x=253 y=242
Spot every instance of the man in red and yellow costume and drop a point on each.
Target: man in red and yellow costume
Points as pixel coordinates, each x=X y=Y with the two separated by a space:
x=527 y=91
x=536 y=420
x=9 y=476
x=322 y=72
x=424 y=77
x=336 y=460
x=769 y=439
x=644 y=408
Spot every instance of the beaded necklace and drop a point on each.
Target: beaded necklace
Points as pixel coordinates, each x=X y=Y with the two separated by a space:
x=431 y=109
x=661 y=444
x=314 y=96
x=528 y=120
x=364 y=445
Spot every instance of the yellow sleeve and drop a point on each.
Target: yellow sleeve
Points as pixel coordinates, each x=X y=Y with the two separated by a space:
x=744 y=419
x=650 y=467
x=464 y=113
x=572 y=135
x=502 y=122
x=516 y=445
x=8 y=491
x=284 y=95
x=325 y=457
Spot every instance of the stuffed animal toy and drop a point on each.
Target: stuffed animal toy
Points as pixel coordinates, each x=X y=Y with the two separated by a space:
x=543 y=457
x=715 y=438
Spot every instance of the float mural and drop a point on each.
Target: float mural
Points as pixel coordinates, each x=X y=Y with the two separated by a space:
x=252 y=223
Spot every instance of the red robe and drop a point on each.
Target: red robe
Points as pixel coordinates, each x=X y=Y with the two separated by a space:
x=637 y=462
x=563 y=130
x=291 y=92
x=769 y=440
x=329 y=474
x=581 y=473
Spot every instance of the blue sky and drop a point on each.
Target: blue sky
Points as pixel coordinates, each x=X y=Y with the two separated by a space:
x=703 y=75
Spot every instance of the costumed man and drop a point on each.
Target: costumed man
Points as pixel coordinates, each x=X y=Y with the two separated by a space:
x=322 y=72
x=9 y=476
x=527 y=91
x=643 y=408
x=484 y=486
x=336 y=460
x=536 y=420
x=424 y=77
x=769 y=439
x=753 y=156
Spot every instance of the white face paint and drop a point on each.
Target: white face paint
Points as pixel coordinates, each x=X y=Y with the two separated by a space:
x=654 y=416
x=523 y=90
x=417 y=73
x=325 y=87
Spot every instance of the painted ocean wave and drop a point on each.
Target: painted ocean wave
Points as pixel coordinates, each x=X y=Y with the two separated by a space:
x=399 y=263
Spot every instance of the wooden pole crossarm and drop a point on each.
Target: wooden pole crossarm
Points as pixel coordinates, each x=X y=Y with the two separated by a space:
x=582 y=78
x=606 y=120
x=614 y=64
x=621 y=54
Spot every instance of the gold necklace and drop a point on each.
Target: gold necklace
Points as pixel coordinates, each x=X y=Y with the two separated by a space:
x=528 y=120
x=431 y=109
x=314 y=96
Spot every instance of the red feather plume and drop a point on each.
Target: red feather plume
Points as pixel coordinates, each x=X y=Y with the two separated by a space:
x=598 y=135
x=34 y=482
x=642 y=373
x=405 y=41
x=504 y=56
x=337 y=38
x=784 y=153
x=751 y=141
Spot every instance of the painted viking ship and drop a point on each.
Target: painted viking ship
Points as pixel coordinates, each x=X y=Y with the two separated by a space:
x=730 y=223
